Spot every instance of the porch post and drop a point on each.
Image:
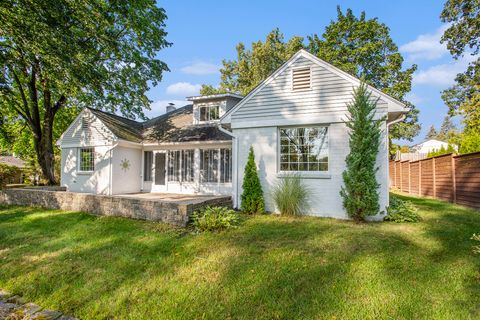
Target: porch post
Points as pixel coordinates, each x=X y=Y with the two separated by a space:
x=196 y=170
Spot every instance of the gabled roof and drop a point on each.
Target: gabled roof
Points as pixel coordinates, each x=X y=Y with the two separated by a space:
x=177 y=126
x=12 y=161
x=394 y=105
x=122 y=128
x=172 y=127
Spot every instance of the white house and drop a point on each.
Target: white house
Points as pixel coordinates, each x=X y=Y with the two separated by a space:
x=431 y=145
x=295 y=121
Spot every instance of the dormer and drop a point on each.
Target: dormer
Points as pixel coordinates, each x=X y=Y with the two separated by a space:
x=209 y=109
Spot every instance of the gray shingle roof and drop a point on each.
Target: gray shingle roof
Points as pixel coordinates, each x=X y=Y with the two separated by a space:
x=12 y=161
x=175 y=126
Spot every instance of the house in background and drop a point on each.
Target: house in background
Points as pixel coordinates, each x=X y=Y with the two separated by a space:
x=294 y=120
x=13 y=161
x=431 y=145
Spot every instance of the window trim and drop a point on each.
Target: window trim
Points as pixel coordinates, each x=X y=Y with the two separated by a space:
x=311 y=80
x=219 y=173
x=208 y=107
x=304 y=174
x=79 y=162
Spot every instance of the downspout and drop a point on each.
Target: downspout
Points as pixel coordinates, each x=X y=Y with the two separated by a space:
x=235 y=163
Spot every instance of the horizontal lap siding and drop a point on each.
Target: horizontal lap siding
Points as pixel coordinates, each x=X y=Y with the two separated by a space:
x=329 y=94
x=391 y=173
x=427 y=178
x=415 y=177
x=452 y=178
x=405 y=184
x=467 y=179
x=444 y=178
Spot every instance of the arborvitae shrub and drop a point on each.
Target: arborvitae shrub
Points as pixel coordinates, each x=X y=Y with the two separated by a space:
x=252 y=196
x=360 y=190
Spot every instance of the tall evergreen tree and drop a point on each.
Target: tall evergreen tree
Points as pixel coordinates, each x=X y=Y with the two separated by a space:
x=252 y=196
x=446 y=129
x=432 y=133
x=360 y=190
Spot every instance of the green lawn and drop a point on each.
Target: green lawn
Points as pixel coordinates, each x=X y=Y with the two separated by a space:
x=269 y=268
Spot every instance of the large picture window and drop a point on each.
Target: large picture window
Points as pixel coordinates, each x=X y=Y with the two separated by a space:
x=209 y=113
x=181 y=166
x=304 y=149
x=87 y=159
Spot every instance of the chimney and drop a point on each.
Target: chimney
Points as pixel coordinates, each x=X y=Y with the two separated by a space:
x=170 y=107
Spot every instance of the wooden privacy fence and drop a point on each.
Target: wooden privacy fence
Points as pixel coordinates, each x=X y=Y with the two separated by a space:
x=447 y=177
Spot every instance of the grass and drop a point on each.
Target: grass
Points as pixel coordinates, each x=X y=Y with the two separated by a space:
x=269 y=268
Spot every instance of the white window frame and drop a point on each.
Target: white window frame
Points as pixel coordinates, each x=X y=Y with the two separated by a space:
x=181 y=176
x=208 y=107
x=304 y=174
x=219 y=172
x=291 y=77
x=79 y=164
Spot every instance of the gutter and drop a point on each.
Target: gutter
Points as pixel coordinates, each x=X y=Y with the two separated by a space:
x=402 y=117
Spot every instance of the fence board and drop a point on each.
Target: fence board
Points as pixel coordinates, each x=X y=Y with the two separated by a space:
x=448 y=177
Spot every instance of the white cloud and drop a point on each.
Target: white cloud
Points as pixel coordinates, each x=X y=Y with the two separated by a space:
x=414 y=98
x=158 y=107
x=201 y=68
x=442 y=75
x=426 y=46
x=183 y=88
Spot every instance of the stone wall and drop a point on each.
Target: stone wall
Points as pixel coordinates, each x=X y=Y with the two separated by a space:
x=145 y=209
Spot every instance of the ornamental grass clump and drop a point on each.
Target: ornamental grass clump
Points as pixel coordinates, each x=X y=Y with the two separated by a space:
x=252 y=196
x=291 y=195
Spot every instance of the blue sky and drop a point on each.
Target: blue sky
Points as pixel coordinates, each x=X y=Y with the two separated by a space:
x=205 y=32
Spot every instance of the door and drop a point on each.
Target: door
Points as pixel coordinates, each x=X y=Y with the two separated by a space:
x=160 y=169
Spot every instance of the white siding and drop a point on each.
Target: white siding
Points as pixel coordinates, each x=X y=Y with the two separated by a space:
x=325 y=197
x=196 y=108
x=330 y=94
x=96 y=182
x=95 y=135
x=126 y=180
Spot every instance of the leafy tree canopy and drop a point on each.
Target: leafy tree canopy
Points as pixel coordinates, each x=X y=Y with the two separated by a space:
x=56 y=54
x=464 y=30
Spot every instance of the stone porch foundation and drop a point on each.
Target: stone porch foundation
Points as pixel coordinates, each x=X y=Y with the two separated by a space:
x=172 y=210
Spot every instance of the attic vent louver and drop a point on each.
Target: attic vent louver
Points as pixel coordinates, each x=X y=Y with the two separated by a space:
x=301 y=79
x=84 y=122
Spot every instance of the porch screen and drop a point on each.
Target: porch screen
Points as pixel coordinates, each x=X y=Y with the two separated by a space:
x=215 y=165
x=181 y=166
x=147 y=166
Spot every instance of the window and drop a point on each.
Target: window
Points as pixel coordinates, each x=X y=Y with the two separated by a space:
x=215 y=162
x=301 y=79
x=225 y=165
x=87 y=159
x=209 y=113
x=304 y=149
x=188 y=165
x=181 y=166
x=147 y=165
x=209 y=165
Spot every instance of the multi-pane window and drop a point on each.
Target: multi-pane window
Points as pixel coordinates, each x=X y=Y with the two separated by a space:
x=225 y=165
x=209 y=165
x=209 y=113
x=87 y=159
x=147 y=165
x=304 y=149
x=188 y=162
x=216 y=165
x=181 y=166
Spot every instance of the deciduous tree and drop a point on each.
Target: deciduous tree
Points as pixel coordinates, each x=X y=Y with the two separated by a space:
x=57 y=54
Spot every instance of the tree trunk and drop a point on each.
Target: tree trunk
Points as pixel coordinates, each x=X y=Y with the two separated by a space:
x=45 y=155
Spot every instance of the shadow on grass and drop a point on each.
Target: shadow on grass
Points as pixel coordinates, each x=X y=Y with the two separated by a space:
x=270 y=267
